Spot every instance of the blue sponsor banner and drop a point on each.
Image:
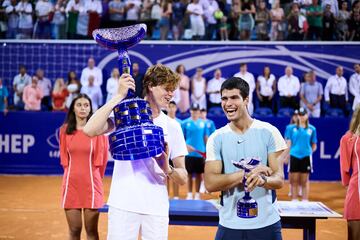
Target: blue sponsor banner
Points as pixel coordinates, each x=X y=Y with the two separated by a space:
x=57 y=58
x=29 y=143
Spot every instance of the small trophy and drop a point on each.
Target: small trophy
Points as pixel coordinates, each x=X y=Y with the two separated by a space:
x=136 y=136
x=247 y=207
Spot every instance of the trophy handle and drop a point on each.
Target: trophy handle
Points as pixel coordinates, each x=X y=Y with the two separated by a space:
x=125 y=67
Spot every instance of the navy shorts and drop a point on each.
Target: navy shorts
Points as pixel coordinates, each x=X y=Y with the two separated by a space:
x=194 y=164
x=301 y=165
x=272 y=232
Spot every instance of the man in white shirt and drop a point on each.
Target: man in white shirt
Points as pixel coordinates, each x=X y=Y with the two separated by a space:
x=133 y=8
x=249 y=78
x=289 y=87
x=210 y=6
x=91 y=69
x=46 y=87
x=25 y=11
x=354 y=85
x=196 y=13
x=138 y=198
x=336 y=93
x=213 y=89
x=19 y=83
x=43 y=9
x=94 y=92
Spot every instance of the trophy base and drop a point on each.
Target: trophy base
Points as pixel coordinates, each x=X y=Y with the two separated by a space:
x=247 y=208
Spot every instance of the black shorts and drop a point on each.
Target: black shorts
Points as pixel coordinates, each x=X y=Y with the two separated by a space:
x=194 y=164
x=300 y=164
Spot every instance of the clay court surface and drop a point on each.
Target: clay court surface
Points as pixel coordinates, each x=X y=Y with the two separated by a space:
x=30 y=210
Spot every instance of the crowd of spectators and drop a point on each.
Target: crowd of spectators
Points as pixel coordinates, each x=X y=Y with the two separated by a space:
x=269 y=94
x=184 y=19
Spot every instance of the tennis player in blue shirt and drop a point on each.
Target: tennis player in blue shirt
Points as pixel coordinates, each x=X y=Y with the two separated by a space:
x=244 y=137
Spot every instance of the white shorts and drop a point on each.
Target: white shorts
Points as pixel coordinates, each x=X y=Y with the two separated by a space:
x=125 y=225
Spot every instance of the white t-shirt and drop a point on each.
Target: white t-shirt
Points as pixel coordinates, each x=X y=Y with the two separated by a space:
x=25 y=20
x=140 y=186
x=96 y=72
x=43 y=8
x=266 y=85
x=212 y=86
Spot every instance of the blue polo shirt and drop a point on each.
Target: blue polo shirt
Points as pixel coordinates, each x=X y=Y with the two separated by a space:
x=257 y=142
x=195 y=133
x=301 y=140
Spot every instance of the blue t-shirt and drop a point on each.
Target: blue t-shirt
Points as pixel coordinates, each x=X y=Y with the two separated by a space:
x=195 y=133
x=210 y=125
x=257 y=142
x=3 y=94
x=301 y=140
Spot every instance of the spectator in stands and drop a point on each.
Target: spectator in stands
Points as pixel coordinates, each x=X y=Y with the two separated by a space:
x=178 y=16
x=94 y=10
x=94 y=93
x=314 y=18
x=44 y=14
x=112 y=84
x=73 y=87
x=25 y=11
x=302 y=139
x=46 y=88
x=195 y=133
x=198 y=89
x=262 y=18
x=59 y=95
x=328 y=24
x=213 y=89
x=84 y=161
x=184 y=88
x=196 y=12
x=12 y=20
x=234 y=19
x=354 y=25
x=4 y=93
x=223 y=29
x=32 y=95
x=311 y=93
x=246 y=20
x=58 y=23
x=289 y=87
x=297 y=24
x=277 y=22
x=336 y=90
x=249 y=78
x=91 y=69
x=266 y=88
x=354 y=85
x=210 y=6
x=19 y=83
x=116 y=12
x=164 y=23
x=333 y=6
x=209 y=124
x=133 y=8
x=349 y=166
x=73 y=8
x=171 y=112
x=259 y=140
x=342 y=28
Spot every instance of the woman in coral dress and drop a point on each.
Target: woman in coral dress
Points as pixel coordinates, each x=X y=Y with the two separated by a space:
x=84 y=161
x=350 y=168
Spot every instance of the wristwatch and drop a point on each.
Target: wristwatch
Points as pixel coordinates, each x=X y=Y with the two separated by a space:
x=264 y=178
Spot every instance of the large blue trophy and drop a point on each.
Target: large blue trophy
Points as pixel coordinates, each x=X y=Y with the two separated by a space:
x=247 y=207
x=136 y=137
